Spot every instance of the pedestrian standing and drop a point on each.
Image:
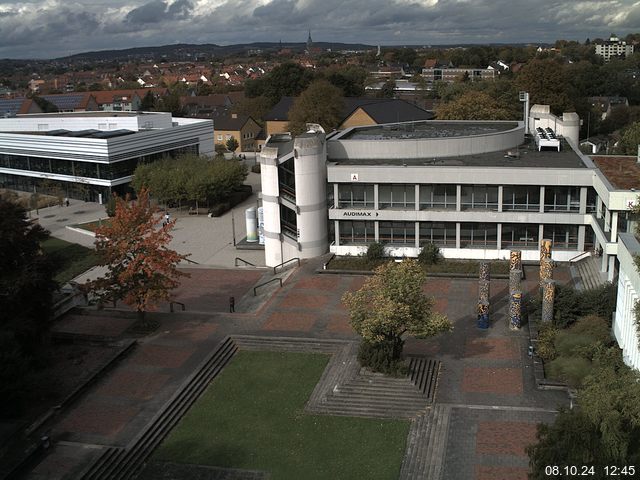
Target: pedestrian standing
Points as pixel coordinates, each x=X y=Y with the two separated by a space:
x=166 y=219
x=232 y=304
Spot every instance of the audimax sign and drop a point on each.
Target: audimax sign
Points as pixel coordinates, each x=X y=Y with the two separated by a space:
x=359 y=213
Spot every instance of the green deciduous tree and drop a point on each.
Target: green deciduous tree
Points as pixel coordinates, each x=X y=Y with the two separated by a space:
x=286 y=80
x=141 y=269
x=26 y=289
x=472 y=105
x=630 y=140
x=547 y=84
x=320 y=103
x=391 y=304
x=189 y=178
x=232 y=144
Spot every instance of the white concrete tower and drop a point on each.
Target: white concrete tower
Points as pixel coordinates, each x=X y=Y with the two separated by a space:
x=270 y=203
x=310 y=154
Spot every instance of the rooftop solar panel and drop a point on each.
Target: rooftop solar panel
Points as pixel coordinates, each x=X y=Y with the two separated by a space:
x=66 y=102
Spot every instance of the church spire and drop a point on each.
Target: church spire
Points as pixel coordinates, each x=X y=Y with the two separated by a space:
x=309 y=42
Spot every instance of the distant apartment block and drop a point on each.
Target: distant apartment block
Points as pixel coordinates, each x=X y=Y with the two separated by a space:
x=613 y=47
x=450 y=74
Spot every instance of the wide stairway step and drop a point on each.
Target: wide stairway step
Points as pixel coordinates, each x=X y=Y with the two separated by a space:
x=124 y=463
x=426 y=445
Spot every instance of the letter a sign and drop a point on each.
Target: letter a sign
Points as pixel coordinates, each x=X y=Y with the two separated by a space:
x=354 y=177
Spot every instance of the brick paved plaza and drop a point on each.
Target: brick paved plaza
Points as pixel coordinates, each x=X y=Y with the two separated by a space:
x=486 y=376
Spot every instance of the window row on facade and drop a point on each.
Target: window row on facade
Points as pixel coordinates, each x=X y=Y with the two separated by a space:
x=472 y=197
x=76 y=168
x=472 y=235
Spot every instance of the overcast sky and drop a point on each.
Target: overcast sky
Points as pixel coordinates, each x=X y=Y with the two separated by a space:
x=55 y=28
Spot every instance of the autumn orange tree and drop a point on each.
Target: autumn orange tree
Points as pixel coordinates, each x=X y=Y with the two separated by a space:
x=133 y=246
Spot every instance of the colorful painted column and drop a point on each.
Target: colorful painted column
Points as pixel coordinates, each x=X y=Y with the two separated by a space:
x=485 y=271
x=515 y=281
x=483 y=315
x=546 y=270
x=548 y=298
x=545 y=248
x=515 y=260
x=515 y=310
x=483 y=291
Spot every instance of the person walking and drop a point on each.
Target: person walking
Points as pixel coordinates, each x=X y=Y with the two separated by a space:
x=167 y=217
x=232 y=304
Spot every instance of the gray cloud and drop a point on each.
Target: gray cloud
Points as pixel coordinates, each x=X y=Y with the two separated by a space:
x=52 y=28
x=158 y=11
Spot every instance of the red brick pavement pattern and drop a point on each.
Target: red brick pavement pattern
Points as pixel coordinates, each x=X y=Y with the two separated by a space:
x=290 y=321
x=505 y=438
x=484 y=472
x=98 y=418
x=339 y=323
x=440 y=305
x=357 y=283
x=417 y=346
x=159 y=356
x=196 y=332
x=298 y=300
x=437 y=286
x=141 y=386
x=93 y=325
x=210 y=289
x=323 y=282
x=492 y=348
x=502 y=381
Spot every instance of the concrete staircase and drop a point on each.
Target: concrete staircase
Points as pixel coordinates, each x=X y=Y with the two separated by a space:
x=586 y=273
x=426 y=445
x=123 y=463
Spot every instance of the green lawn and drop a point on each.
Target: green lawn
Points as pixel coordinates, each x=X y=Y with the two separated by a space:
x=71 y=259
x=252 y=417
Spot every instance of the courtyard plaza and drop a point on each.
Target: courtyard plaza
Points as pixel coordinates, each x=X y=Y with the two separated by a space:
x=485 y=395
x=486 y=389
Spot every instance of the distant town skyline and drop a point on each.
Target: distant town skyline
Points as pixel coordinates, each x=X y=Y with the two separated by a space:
x=57 y=28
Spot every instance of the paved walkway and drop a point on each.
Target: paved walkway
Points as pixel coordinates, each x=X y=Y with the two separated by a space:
x=208 y=240
x=486 y=380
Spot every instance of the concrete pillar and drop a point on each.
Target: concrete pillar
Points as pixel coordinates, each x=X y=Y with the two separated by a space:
x=540 y=233
x=598 y=207
x=336 y=233
x=458 y=199
x=500 y=195
x=417 y=194
x=581 y=237
x=614 y=226
x=499 y=235
x=417 y=234
x=612 y=267
x=541 y=202
x=458 y=235
x=375 y=204
x=376 y=230
x=604 y=261
x=336 y=198
x=583 y=201
x=607 y=221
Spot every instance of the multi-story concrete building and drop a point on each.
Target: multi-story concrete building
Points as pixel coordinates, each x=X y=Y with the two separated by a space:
x=613 y=47
x=477 y=189
x=88 y=155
